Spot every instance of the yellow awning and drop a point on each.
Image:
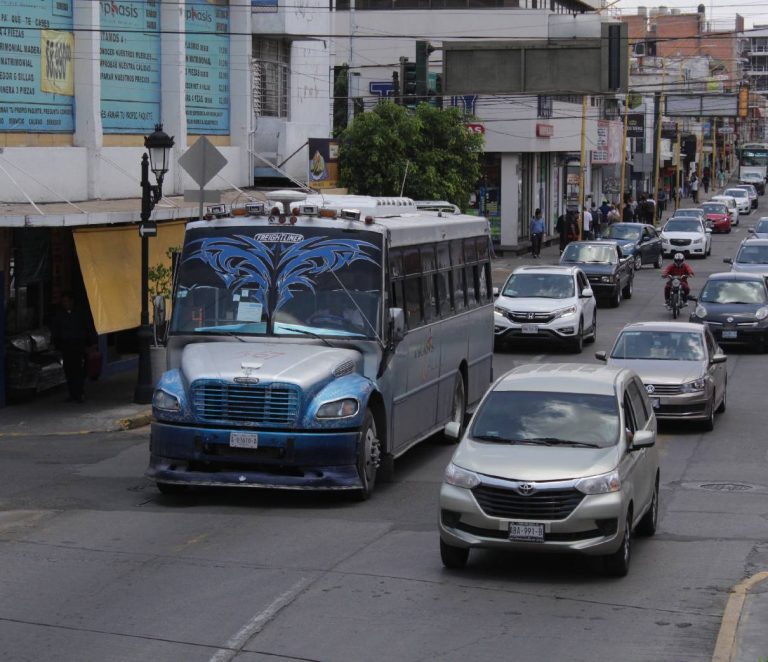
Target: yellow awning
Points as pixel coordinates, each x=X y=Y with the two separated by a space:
x=110 y=261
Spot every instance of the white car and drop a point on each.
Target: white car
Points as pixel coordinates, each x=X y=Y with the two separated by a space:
x=752 y=192
x=687 y=236
x=742 y=199
x=550 y=303
x=730 y=202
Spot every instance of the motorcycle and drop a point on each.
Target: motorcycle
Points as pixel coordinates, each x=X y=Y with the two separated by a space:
x=677 y=300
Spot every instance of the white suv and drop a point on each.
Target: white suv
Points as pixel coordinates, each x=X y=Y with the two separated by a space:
x=686 y=235
x=553 y=303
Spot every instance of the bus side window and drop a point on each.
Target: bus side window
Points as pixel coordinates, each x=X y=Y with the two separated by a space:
x=459 y=289
x=444 y=292
x=443 y=256
x=430 y=302
x=412 y=261
x=396 y=263
x=471 y=271
x=412 y=292
x=482 y=283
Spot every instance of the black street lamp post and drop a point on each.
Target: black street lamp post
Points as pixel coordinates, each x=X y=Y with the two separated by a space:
x=159 y=145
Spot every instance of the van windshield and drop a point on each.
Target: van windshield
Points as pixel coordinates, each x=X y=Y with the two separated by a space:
x=262 y=281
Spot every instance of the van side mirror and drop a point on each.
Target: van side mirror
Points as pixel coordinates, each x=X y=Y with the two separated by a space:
x=643 y=439
x=397 y=323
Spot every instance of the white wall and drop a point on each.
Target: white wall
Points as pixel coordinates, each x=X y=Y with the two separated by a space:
x=61 y=169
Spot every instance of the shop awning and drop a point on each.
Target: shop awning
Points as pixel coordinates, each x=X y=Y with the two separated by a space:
x=110 y=261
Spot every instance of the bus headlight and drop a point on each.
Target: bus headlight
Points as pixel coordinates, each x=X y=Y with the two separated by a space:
x=338 y=408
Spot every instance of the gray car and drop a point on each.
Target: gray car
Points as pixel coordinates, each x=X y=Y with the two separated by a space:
x=760 y=230
x=558 y=458
x=752 y=257
x=681 y=365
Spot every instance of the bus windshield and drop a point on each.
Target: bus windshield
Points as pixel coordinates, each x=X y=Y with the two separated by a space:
x=754 y=155
x=288 y=281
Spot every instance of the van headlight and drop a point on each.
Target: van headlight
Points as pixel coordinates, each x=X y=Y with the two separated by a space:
x=694 y=386
x=343 y=408
x=165 y=401
x=602 y=484
x=459 y=477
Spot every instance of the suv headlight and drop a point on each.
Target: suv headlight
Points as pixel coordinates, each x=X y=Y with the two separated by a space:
x=606 y=279
x=459 y=477
x=343 y=408
x=500 y=311
x=694 y=386
x=602 y=484
x=570 y=310
x=163 y=400
x=701 y=311
x=761 y=313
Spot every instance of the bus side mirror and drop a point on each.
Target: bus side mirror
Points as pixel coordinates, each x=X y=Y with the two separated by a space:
x=397 y=323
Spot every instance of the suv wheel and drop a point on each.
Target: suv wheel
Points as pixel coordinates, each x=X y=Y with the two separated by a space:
x=577 y=344
x=616 y=298
x=627 y=291
x=617 y=564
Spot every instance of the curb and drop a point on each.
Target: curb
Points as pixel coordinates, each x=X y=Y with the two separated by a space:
x=725 y=647
x=136 y=421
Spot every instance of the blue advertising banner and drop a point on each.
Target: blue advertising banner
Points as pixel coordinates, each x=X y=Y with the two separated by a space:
x=130 y=60
x=36 y=66
x=207 y=67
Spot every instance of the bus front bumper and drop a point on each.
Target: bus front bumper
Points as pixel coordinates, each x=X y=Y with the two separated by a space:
x=281 y=459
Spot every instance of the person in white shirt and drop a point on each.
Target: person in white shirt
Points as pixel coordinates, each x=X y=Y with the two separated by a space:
x=586 y=228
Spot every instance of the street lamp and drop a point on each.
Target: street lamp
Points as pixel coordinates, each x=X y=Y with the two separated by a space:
x=159 y=145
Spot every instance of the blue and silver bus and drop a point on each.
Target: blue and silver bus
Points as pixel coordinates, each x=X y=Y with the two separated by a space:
x=313 y=344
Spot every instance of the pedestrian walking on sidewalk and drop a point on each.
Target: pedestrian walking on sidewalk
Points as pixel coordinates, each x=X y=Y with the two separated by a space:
x=721 y=178
x=561 y=227
x=72 y=335
x=662 y=202
x=694 y=186
x=537 y=233
x=586 y=225
x=705 y=181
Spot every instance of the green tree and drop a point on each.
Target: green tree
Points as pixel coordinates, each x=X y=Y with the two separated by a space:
x=441 y=156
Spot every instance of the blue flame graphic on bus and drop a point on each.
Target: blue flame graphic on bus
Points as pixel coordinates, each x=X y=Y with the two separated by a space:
x=278 y=267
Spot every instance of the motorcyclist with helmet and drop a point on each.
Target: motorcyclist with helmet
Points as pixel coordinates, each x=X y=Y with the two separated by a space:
x=678 y=269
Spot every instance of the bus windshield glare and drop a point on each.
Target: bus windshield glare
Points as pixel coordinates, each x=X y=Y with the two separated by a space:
x=279 y=282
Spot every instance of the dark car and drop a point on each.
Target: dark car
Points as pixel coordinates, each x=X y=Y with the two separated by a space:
x=610 y=273
x=735 y=308
x=637 y=240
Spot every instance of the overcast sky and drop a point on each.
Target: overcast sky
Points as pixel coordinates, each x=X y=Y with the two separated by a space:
x=753 y=11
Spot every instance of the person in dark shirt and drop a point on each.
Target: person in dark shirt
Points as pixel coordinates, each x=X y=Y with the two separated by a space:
x=72 y=336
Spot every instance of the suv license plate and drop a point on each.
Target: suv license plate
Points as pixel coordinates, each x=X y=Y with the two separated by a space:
x=531 y=328
x=243 y=440
x=526 y=532
x=730 y=334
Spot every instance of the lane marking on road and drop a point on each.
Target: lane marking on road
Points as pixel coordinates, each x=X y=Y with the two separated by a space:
x=189 y=543
x=256 y=624
x=725 y=647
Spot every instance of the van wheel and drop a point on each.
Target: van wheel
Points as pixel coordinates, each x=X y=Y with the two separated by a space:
x=647 y=525
x=454 y=558
x=617 y=564
x=368 y=456
x=458 y=407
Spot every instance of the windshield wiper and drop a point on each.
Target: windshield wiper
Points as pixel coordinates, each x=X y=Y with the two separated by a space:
x=554 y=441
x=306 y=332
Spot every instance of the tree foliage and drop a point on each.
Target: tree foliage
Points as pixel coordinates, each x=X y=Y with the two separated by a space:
x=441 y=156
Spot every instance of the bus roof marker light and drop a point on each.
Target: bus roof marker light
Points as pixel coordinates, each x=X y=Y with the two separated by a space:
x=369 y=220
x=327 y=213
x=254 y=208
x=350 y=214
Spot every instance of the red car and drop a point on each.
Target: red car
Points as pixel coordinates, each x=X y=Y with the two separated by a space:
x=716 y=215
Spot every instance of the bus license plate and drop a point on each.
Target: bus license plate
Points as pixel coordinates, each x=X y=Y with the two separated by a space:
x=730 y=334
x=526 y=532
x=531 y=328
x=243 y=440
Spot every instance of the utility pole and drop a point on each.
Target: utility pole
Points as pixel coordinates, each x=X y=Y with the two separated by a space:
x=656 y=148
x=677 y=169
x=624 y=142
x=582 y=164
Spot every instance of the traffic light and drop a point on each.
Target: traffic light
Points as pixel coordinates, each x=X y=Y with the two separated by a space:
x=408 y=81
x=435 y=92
x=423 y=49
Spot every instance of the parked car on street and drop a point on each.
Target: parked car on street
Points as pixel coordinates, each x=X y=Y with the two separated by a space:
x=755 y=179
x=717 y=216
x=637 y=239
x=730 y=202
x=610 y=273
x=742 y=199
x=558 y=458
x=751 y=191
x=687 y=236
x=681 y=365
x=751 y=257
x=546 y=303
x=760 y=230
x=735 y=308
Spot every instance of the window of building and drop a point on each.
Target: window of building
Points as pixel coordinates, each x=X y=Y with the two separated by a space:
x=271 y=67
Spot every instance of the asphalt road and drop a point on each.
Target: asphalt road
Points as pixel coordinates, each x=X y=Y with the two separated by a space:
x=96 y=565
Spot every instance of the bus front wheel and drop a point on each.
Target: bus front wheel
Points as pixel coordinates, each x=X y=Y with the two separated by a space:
x=458 y=407
x=368 y=456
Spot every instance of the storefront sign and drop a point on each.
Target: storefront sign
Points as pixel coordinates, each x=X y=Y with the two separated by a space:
x=545 y=130
x=669 y=130
x=609 y=139
x=725 y=130
x=475 y=128
x=264 y=6
x=636 y=125
x=37 y=50
x=207 y=72
x=130 y=59
x=323 y=166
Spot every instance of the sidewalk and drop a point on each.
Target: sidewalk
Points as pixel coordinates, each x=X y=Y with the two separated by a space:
x=108 y=407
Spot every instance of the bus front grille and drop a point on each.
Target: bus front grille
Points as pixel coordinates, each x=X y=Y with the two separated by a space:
x=246 y=404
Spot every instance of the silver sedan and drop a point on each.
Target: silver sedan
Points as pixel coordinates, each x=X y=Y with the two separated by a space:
x=680 y=364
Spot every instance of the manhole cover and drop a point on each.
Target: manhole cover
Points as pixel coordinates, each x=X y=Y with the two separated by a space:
x=727 y=487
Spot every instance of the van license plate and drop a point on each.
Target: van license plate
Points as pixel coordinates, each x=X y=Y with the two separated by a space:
x=243 y=440
x=531 y=328
x=526 y=532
